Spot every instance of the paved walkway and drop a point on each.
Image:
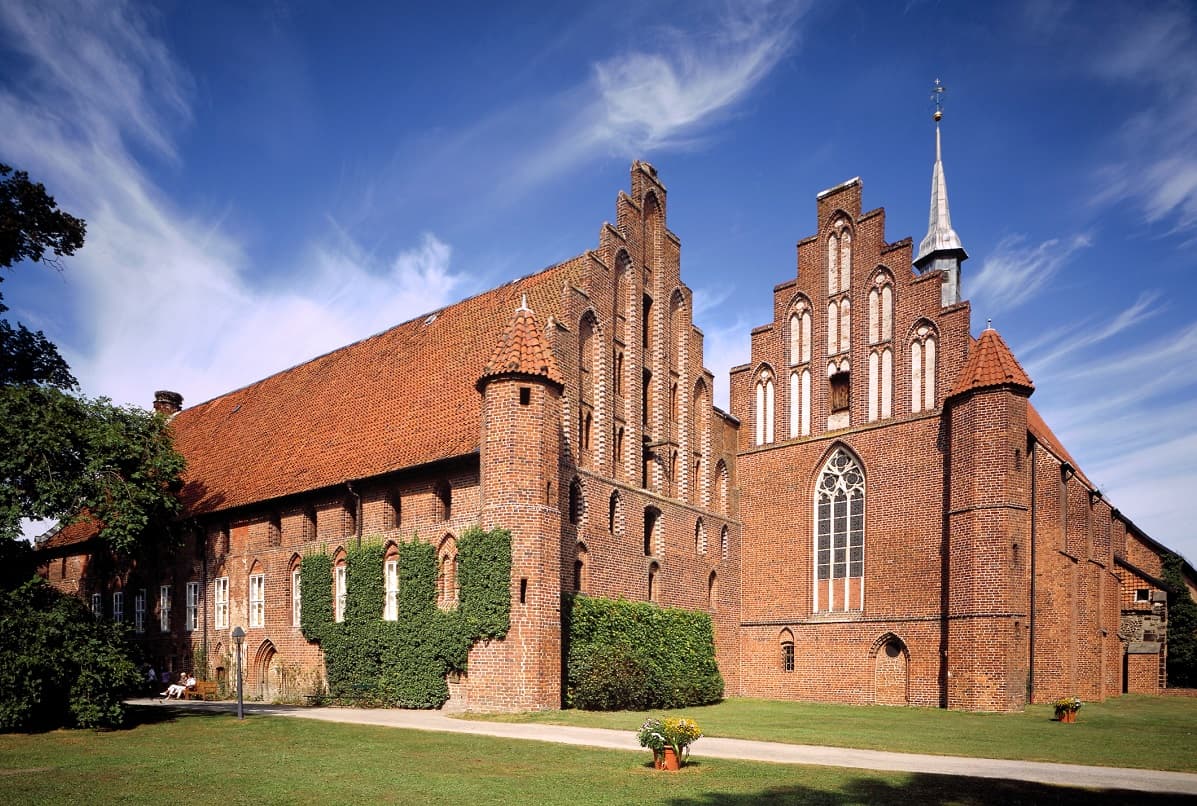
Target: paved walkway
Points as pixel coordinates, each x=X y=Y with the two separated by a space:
x=713 y=747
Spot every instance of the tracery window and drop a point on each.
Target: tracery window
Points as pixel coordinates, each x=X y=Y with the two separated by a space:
x=839 y=531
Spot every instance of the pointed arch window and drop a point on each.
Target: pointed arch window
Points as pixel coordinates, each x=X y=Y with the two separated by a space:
x=881 y=383
x=881 y=309
x=390 y=577
x=800 y=323
x=652 y=532
x=700 y=537
x=923 y=349
x=764 y=408
x=723 y=541
x=839 y=534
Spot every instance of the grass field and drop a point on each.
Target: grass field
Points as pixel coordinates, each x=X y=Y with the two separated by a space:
x=1133 y=731
x=202 y=758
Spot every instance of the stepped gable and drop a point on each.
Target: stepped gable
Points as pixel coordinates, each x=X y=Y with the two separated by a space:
x=990 y=363
x=522 y=351
x=401 y=398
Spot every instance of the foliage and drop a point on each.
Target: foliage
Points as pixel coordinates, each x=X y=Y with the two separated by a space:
x=369 y=661
x=65 y=455
x=31 y=223
x=1067 y=705
x=1182 y=625
x=610 y=678
x=59 y=665
x=675 y=647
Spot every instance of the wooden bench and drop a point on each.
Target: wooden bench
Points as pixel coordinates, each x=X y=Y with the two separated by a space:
x=203 y=690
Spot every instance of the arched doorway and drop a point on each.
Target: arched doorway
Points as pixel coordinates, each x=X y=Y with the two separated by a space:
x=266 y=672
x=891 y=665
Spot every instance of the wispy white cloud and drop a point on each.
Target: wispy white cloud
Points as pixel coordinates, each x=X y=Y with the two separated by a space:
x=1156 y=54
x=165 y=298
x=1088 y=332
x=666 y=93
x=1016 y=271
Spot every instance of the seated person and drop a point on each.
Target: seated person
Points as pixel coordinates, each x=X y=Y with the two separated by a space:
x=176 y=690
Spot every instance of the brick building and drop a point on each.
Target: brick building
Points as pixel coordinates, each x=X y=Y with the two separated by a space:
x=882 y=517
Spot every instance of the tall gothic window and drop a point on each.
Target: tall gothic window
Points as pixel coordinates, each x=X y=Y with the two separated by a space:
x=922 y=369
x=764 y=408
x=800 y=323
x=839 y=534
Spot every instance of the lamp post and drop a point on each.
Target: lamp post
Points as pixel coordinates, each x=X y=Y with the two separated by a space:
x=238 y=639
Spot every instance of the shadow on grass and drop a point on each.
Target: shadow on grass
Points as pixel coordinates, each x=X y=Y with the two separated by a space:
x=138 y=715
x=922 y=788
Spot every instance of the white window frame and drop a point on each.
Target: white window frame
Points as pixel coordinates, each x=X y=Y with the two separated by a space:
x=191 y=617
x=390 y=606
x=139 y=610
x=164 y=608
x=845 y=536
x=118 y=606
x=339 y=593
x=221 y=603
x=296 y=598
x=97 y=604
x=257 y=600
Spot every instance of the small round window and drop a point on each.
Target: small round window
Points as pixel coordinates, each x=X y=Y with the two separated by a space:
x=893 y=649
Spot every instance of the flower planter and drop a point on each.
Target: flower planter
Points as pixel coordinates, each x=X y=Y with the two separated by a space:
x=1067 y=716
x=666 y=760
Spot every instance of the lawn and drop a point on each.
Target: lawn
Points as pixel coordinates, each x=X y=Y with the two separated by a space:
x=202 y=758
x=1132 y=731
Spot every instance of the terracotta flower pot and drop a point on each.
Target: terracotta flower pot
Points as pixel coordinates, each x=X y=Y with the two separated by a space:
x=1068 y=716
x=666 y=759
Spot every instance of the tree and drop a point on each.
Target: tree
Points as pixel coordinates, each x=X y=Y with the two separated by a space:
x=59 y=664
x=1182 y=625
x=65 y=454
x=31 y=223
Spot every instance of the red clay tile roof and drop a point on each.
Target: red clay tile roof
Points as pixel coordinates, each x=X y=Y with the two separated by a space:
x=72 y=534
x=1039 y=429
x=522 y=351
x=990 y=363
x=401 y=398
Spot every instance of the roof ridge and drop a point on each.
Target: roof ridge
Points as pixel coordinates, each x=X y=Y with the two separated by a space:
x=385 y=331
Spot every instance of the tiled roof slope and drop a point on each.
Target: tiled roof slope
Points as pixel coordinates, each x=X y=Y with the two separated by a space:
x=990 y=363
x=72 y=534
x=401 y=398
x=521 y=350
x=1040 y=430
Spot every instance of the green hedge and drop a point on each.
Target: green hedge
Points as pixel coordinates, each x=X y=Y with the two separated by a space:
x=636 y=655
x=403 y=663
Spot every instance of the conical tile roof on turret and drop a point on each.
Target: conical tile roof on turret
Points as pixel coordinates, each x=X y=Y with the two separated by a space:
x=521 y=351
x=990 y=363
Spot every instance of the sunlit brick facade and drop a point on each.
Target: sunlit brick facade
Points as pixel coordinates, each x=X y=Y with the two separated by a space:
x=882 y=518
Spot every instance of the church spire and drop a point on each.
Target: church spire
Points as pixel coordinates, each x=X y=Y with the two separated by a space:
x=941 y=250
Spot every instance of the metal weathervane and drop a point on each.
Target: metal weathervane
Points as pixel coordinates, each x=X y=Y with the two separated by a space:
x=937 y=98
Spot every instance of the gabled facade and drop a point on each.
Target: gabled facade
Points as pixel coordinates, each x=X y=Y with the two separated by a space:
x=883 y=517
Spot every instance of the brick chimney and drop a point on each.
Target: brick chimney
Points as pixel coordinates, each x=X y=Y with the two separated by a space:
x=167 y=403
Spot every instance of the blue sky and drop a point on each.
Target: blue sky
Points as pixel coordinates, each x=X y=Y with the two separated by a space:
x=265 y=182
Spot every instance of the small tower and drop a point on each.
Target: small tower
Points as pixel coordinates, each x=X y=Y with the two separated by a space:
x=521 y=387
x=941 y=250
x=988 y=578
